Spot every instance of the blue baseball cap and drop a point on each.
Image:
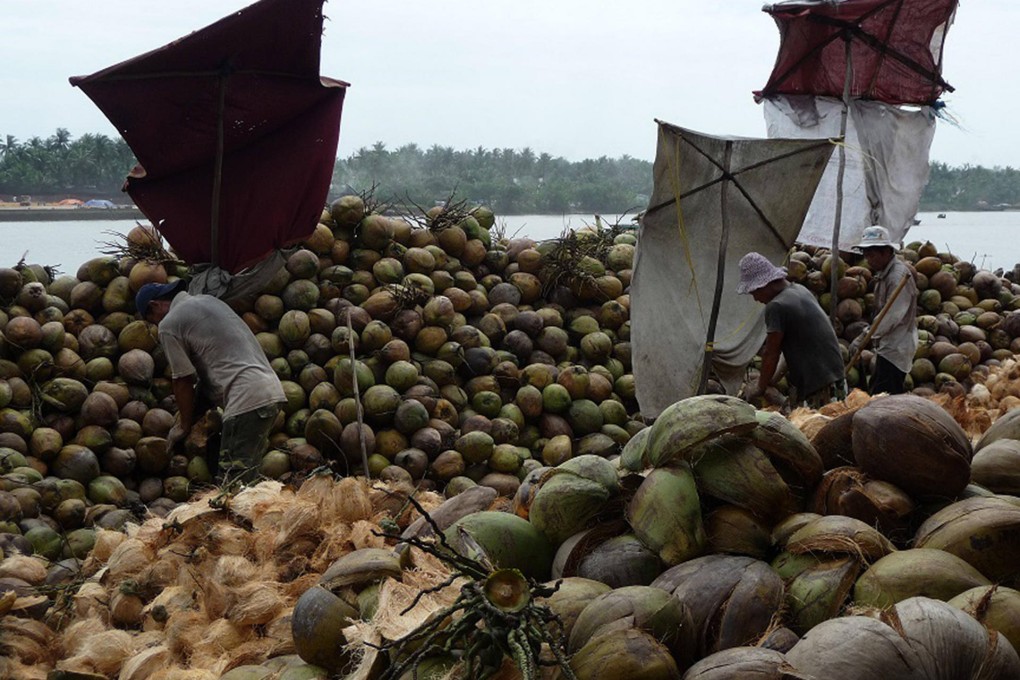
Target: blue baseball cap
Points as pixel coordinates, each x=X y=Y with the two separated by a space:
x=154 y=291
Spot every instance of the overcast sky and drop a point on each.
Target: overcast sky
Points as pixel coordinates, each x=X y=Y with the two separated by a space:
x=574 y=78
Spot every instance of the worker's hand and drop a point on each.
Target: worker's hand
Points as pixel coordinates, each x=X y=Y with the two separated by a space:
x=753 y=393
x=175 y=436
x=857 y=345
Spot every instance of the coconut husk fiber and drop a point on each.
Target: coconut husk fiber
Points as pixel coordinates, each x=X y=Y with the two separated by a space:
x=217 y=585
x=914 y=444
x=996 y=607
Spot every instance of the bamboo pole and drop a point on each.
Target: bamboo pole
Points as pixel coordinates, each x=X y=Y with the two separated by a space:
x=877 y=320
x=357 y=398
x=838 y=220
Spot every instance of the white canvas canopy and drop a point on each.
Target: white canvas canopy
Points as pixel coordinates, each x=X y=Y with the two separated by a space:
x=714 y=200
x=886 y=163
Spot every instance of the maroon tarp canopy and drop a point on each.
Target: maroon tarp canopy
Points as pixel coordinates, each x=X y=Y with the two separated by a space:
x=245 y=94
x=896 y=49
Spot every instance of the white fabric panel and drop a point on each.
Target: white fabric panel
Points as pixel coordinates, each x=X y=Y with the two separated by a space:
x=676 y=265
x=886 y=163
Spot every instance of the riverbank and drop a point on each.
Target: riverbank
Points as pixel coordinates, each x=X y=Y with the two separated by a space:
x=67 y=214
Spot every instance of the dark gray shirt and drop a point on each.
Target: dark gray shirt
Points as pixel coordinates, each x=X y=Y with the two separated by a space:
x=809 y=343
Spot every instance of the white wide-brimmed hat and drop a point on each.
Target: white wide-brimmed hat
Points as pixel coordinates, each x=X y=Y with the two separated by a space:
x=757 y=272
x=874 y=237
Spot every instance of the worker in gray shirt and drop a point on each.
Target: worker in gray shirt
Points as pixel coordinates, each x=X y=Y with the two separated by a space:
x=796 y=327
x=207 y=344
x=894 y=339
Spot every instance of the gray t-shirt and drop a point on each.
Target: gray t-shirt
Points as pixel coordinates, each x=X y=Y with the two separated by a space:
x=202 y=336
x=809 y=343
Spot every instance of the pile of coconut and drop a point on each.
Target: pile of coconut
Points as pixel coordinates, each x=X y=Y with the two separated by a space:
x=722 y=537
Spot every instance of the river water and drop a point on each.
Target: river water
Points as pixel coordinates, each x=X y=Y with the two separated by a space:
x=989 y=239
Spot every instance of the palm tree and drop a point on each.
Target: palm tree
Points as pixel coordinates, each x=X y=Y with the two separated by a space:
x=9 y=146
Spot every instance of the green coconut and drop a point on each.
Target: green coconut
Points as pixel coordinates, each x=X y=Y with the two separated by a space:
x=736 y=471
x=76 y=462
x=475 y=447
x=665 y=514
x=564 y=505
x=918 y=571
x=302 y=294
x=294 y=328
x=508 y=541
x=323 y=431
x=689 y=422
x=65 y=394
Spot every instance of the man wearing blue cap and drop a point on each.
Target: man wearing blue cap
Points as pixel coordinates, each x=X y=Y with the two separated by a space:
x=207 y=344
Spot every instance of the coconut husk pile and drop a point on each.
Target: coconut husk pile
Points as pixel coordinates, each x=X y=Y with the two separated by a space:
x=208 y=589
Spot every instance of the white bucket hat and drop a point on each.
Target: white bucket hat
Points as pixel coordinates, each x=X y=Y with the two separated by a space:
x=874 y=237
x=757 y=272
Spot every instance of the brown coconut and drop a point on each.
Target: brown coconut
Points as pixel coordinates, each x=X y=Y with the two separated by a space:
x=914 y=444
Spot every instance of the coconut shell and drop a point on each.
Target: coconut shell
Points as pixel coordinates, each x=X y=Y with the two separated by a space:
x=996 y=607
x=914 y=444
x=628 y=653
x=665 y=514
x=856 y=648
x=833 y=441
x=564 y=504
x=571 y=597
x=682 y=426
x=818 y=589
x=1006 y=426
x=839 y=535
x=733 y=530
x=748 y=663
x=996 y=467
x=910 y=573
x=652 y=610
x=983 y=532
x=617 y=561
x=790 y=451
x=738 y=472
x=731 y=600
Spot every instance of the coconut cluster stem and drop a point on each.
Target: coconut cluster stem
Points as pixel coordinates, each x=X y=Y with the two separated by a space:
x=473 y=628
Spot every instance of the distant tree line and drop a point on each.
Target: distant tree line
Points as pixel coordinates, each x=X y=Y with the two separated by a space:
x=92 y=165
x=507 y=180
x=510 y=181
x=971 y=187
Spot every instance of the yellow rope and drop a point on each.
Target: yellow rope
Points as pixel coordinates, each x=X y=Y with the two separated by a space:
x=673 y=166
